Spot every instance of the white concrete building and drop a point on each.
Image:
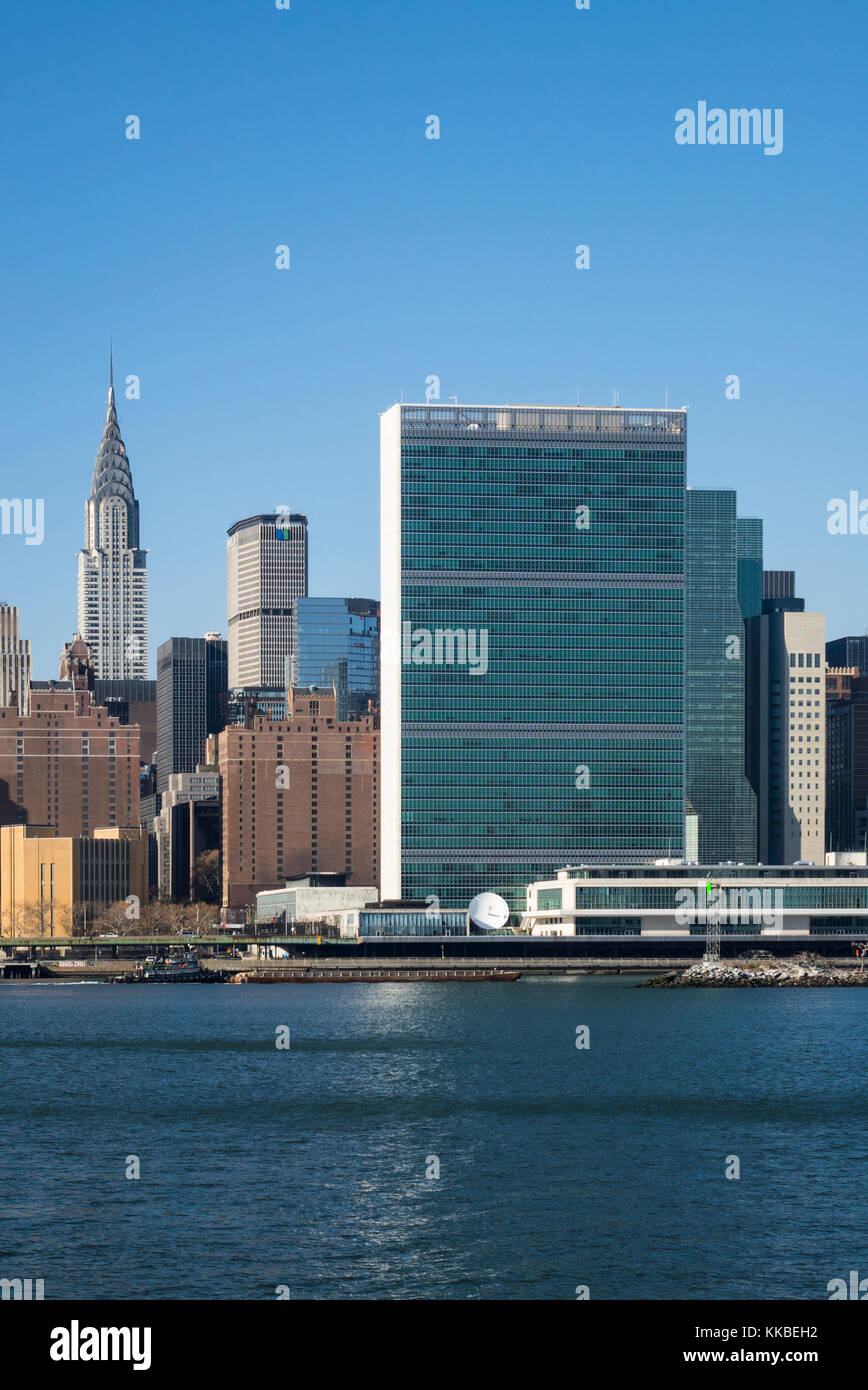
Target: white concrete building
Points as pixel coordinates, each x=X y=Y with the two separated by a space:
x=675 y=899
x=787 y=724
x=308 y=900
x=803 y=738
x=266 y=568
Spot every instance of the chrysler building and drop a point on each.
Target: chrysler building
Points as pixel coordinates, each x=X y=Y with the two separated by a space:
x=112 y=578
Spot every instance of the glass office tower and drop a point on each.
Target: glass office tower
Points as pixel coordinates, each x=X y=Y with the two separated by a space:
x=532 y=646
x=750 y=565
x=716 y=781
x=848 y=651
x=191 y=701
x=749 y=530
x=336 y=641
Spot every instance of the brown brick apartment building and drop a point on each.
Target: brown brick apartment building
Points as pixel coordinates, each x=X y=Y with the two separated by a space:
x=68 y=764
x=299 y=796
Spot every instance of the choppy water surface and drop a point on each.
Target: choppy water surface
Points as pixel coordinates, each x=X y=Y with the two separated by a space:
x=309 y=1167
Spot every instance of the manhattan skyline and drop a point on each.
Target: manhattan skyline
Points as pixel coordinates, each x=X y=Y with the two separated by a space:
x=435 y=525
x=414 y=257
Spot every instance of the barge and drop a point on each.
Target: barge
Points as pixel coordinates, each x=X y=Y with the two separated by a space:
x=356 y=976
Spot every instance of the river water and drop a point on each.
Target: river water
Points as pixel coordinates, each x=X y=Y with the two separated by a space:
x=432 y=1140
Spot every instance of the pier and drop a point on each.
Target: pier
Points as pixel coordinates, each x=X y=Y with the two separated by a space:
x=38 y=958
x=20 y=969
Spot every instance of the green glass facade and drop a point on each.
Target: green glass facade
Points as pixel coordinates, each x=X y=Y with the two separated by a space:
x=750 y=565
x=716 y=782
x=410 y=923
x=559 y=535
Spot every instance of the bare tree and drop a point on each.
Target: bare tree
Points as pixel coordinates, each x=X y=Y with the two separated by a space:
x=206 y=876
x=25 y=919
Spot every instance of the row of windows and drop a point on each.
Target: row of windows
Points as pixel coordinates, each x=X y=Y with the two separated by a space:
x=666 y=898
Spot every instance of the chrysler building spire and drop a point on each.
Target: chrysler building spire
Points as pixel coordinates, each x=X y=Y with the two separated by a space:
x=112 y=578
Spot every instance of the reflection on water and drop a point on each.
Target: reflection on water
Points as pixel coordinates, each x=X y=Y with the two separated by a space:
x=311 y=1166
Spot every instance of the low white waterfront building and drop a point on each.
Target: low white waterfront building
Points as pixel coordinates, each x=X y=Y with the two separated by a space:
x=675 y=898
x=321 y=899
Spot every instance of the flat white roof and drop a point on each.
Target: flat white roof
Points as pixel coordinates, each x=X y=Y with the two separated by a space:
x=539 y=405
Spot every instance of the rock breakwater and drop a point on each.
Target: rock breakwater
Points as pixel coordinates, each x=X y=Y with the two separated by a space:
x=803 y=971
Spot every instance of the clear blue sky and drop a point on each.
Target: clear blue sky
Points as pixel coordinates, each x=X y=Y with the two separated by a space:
x=412 y=256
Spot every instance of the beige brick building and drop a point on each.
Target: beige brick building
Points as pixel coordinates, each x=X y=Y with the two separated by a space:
x=47 y=879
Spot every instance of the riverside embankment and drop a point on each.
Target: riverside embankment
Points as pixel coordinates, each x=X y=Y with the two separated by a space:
x=802 y=972
x=38 y=960
x=412 y=969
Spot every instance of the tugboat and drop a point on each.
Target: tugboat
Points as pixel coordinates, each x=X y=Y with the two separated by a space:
x=169 y=967
x=174 y=968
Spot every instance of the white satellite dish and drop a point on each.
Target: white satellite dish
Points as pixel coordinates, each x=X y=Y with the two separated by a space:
x=489 y=911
